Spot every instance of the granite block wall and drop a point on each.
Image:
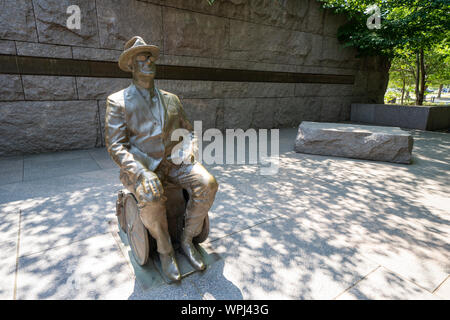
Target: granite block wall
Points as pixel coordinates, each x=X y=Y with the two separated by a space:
x=40 y=113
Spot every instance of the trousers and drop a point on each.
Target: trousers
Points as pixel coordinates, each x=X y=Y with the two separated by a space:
x=201 y=187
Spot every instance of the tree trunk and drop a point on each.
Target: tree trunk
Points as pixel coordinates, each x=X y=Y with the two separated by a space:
x=417 y=77
x=422 y=78
x=403 y=90
x=440 y=90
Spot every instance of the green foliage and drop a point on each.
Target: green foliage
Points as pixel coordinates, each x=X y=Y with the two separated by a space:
x=389 y=96
x=438 y=65
x=405 y=24
x=414 y=34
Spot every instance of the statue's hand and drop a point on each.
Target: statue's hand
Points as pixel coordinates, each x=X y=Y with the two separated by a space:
x=149 y=183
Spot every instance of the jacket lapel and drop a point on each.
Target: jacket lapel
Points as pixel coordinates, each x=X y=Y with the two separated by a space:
x=162 y=97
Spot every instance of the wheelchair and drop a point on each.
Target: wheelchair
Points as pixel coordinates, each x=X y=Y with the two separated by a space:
x=141 y=242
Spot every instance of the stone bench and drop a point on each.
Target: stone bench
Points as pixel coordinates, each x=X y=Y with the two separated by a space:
x=411 y=117
x=389 y=144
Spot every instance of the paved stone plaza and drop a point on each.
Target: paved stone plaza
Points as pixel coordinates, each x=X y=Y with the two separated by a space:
x=323 y=228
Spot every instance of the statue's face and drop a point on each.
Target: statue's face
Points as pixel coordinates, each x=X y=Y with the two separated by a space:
x=144 y=66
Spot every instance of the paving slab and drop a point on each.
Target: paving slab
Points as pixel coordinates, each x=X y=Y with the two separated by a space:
x=234 y=211
x=282 y=260
x=57 y=156
x=89 y=269
x=36 y=169
x=7 y=269
x=385 y=285
x=25 y=195
x=444 y=289
x=102 y=157
x=65 y=218
x=9 y=224
x=11 y=170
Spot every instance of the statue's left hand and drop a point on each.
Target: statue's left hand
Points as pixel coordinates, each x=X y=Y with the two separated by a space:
x=149 y=184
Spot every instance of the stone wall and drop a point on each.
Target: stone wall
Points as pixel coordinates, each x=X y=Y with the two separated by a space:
x=46 y=113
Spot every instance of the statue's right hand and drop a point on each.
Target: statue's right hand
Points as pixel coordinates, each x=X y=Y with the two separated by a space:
x=149 y=183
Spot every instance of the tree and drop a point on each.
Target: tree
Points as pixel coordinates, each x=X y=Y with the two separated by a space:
x=438 y=67
x=402 y=73
x=407 y=27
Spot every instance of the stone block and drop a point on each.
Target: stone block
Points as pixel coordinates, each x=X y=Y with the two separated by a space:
x=335 y=109
x=194 y=34
x=291 y=111
x=332 y=22
x=119 y=20
x=7 y=47
x=102 y=116
x=270 y=89
x=314 y=20
x=188 y=89
x=263 y=114
x=224 y=8
x=40 y=126
x=99 y=88
x=376 y=85
x=17 y=20
x=43 y=50
x=249 y=41
x=231 y=89
x=315 y=52
x=10 y=87
x=250 y=65
x=354 y=141
x=84 y=53
x=335 y=55
x=202 y=109
x=360 y=85
x=52 y=18
x=307 y=89
x=238 y=113
x=187 y=61
x=225 y=89
x=411 y=117
x=333 y=90
x=286 y=14
x=49 y=88
x=322 y=90
x=292 y=14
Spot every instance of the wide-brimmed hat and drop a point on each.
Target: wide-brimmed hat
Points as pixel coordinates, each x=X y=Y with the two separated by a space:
x=134 y=46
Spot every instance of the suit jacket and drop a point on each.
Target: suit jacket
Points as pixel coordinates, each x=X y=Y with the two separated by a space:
x=135 y=138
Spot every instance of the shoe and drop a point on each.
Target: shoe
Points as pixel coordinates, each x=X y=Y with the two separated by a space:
x=194 y=257
x=169 y=266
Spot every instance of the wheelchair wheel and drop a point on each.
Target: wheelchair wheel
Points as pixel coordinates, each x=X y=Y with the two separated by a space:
x=205 y=232
x=137 y=234
x=119 y=211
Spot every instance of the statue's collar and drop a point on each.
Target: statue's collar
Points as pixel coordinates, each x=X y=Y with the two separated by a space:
x=147 y=93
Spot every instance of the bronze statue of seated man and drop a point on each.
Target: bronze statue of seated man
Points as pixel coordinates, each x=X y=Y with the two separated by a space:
x=139 y=122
